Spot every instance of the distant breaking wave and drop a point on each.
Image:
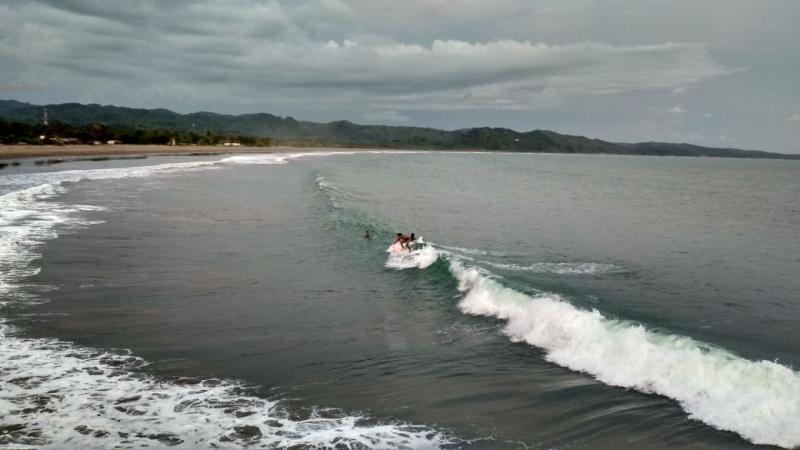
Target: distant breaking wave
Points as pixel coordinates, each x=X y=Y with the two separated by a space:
x=54 y=394
x=759 y=400
x=284 y=158
x=274 y=158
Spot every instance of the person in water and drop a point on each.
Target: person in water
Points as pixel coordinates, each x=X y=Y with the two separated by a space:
x=367 y=236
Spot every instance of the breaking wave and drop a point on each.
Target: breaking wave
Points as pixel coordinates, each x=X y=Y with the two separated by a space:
x=421 y=258
x=275 y=158
x=759 y=400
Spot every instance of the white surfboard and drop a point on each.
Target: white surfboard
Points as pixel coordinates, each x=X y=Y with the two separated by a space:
x=398 y=249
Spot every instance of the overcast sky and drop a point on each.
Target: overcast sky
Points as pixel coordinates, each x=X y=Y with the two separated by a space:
x=711 y=72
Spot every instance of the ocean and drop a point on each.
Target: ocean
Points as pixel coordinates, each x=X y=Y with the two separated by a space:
x=553 y=302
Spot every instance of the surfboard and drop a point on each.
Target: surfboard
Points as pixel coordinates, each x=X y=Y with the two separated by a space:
x=398 y=249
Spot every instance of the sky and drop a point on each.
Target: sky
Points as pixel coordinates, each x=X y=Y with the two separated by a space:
x=721 y=73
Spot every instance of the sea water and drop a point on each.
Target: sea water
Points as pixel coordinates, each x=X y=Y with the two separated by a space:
x=554 y=301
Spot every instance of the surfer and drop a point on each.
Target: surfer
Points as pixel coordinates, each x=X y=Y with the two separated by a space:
x=408 y=240
x=402 y=243
x=405 y=241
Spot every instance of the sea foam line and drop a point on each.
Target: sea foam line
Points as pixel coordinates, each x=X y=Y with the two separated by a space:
x=54 y=394
x=759 y=400
x=562 y=268
x=284 y=158
x=559 y=268
x=57 y=395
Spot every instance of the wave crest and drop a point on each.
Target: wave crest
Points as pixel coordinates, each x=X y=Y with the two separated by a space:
x=759 y=400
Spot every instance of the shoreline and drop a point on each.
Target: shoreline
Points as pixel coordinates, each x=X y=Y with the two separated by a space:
x=53 y=154
x=15 y=155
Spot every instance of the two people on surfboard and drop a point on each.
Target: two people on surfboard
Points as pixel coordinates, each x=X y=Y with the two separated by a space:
x=405 y=240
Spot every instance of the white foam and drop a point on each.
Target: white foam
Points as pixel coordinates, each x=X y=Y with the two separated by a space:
x=470 y=251
x=19 y=181
x=421 y=258
x=71 y=397
x=29 y=216
x=558 y=268
x=276 y=158
x=759 y=400
x=59 y=395
x=284 y=158
x=26 y=221
x=333 y=192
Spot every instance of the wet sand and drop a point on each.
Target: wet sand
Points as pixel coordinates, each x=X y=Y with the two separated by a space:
x=10 y=153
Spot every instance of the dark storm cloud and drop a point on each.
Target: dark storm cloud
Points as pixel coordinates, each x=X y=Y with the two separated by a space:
x=355 y=58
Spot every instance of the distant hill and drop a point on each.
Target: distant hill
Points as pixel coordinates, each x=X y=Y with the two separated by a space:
x=287 y=130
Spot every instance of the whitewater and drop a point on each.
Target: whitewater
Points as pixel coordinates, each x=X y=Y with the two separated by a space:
x=57 y=394
x=760 y=400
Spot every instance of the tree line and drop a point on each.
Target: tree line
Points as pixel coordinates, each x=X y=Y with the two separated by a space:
x=24 y=133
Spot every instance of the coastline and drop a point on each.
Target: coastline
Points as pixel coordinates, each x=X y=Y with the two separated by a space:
x=54 y=154
x=16 y=154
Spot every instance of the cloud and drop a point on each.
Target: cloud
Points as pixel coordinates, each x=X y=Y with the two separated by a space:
x=301 y=53
x=677 y=109
x=794 y=118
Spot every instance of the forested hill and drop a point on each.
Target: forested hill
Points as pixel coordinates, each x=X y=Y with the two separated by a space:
x=287 y=130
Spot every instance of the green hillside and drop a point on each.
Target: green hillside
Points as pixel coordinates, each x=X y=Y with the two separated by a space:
x=287 y=130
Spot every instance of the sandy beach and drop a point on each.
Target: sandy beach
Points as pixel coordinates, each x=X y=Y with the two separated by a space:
x=10 y=153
